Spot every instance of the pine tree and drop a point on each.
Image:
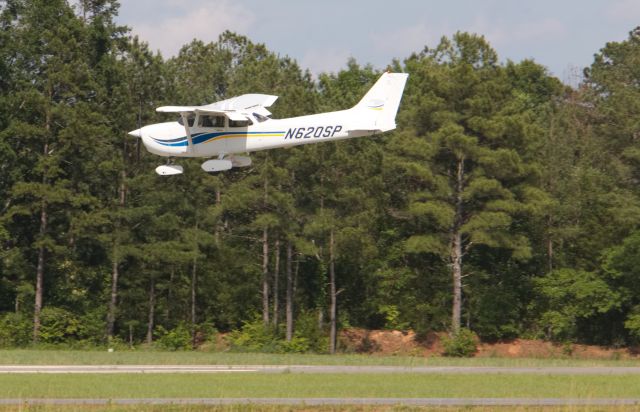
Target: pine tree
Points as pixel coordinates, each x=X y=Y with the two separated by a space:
x=464 y=156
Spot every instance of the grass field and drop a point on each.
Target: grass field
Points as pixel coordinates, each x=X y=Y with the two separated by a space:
x=316 y=385
x=69 y=357
x=285 y=385
x=347 y=408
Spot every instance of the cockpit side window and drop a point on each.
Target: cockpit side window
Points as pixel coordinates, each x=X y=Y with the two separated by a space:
x=240 y=123
x=211 y=121
x=190 y=119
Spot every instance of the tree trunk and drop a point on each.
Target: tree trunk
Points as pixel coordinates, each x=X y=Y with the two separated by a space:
x=42 y=232
x=276 y=275
x=265 y=277
x=194 y=279
x=169 y=311
x=289 y=303
x=111 y=315
x=456 y=268
x=332 y=287
x=40 y=274
x=456 y=250
x=549 y=246
x=152 y=308
x=217 y=229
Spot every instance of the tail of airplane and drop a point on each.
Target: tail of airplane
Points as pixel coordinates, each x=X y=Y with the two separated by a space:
x=378 y=108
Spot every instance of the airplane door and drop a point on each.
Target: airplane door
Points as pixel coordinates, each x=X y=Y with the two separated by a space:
x=209 y=134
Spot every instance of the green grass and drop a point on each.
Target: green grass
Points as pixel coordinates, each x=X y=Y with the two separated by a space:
x=78 y=357
x=332 y=408
x=315 y=385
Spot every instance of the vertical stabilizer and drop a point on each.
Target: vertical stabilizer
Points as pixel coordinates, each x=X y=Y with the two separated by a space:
x=378 y=108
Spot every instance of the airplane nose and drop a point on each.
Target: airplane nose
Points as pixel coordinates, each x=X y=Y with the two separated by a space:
x=135 y=133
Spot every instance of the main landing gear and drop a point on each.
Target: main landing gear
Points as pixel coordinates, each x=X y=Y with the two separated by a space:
x=221 y=164
x=210 y=166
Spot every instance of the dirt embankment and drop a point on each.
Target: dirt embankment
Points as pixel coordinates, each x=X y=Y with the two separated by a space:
x=393 y=342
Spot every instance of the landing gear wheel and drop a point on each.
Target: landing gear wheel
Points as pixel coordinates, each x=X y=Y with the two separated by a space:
x=240 y=161
x=216 y=165
x=169 y=169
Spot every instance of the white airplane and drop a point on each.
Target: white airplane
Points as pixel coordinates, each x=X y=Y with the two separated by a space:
x=243 y=124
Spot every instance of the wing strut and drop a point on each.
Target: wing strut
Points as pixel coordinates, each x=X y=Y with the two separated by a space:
x=185 y=122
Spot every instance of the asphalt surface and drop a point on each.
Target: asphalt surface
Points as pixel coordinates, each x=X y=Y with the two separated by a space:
x=330 y=401
x=562 y=370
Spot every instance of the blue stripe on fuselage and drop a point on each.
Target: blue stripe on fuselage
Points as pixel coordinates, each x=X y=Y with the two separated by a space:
x=198 y=138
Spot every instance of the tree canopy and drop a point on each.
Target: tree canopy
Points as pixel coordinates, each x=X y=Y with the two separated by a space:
x=505 y=202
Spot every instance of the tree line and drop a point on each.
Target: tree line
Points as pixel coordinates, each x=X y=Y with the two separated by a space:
x=505 y=202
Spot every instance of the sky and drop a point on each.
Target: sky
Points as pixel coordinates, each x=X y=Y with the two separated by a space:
x=562 y=35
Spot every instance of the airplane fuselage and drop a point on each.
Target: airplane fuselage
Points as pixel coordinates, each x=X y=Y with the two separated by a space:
x=170 y=139
x=242 y=124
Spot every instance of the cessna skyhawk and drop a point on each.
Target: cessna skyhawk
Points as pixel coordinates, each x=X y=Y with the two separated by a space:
x=243 y=124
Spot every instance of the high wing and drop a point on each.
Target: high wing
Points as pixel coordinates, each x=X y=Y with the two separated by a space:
x=229 y=107
x=232 y=108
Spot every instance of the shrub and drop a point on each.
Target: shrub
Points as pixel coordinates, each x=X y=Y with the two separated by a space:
x=307 y=328
x=254 y=337
x=461 y=344
x=632 y=324
x=58 y=325
x=93 y=326
x=15 y=330
x=178 y=338
x=298 y=344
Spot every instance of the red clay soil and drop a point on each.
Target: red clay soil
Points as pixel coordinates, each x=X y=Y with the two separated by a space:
x=393 y=342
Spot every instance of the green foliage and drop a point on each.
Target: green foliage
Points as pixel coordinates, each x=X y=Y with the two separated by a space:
x=462 y=344
x=255 y=337
x=392 y=317
x=524 y=186
x=15 y=330
x=60 y=326
x=572 y=295
x=178 y=338
x=308 y=331
x=93 y=326
x=632 y=324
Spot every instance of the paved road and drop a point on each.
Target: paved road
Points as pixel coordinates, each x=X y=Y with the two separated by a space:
x=596 y=370
x=331 y=401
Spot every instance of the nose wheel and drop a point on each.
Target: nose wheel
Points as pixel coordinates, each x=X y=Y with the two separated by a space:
x=167 y=170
